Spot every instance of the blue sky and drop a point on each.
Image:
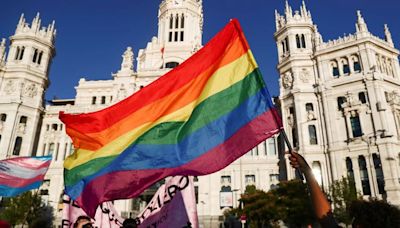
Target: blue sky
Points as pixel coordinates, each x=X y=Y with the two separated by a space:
x=92 y=34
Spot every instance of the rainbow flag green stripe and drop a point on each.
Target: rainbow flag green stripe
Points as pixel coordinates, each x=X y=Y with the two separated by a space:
x=195 y=120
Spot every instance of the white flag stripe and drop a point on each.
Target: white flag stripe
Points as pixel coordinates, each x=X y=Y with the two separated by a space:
x=20 y=172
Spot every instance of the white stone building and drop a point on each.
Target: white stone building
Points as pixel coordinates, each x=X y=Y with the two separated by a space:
x=340 y=102
x=29 y=128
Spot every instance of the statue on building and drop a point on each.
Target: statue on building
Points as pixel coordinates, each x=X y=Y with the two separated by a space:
x=287 y=80
x=127 y=60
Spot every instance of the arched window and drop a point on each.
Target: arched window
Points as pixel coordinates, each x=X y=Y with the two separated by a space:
x=317 y=171
x=17 y=53
x=103 y=99
x=21 y=55
x=54 y=127
x=183 y=21
x=303 y=41
x=177 y=21
x=287 y=45
x=349 y=167
x=35 y=55
x=364 y=175
x=335 y=69
x=346 y=67
x=40 y=57
x=312 y=132
x=309 y=107
x=362 y=97
x=171 y=21
x=171 y=65
x=356 y=126
x=379 y=173
x=17 y=145
x=298 y=44
x=94 y=100
x=340 y=102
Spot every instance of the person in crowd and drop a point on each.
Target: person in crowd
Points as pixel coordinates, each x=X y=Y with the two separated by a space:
x=321 y=205
x=83 y=221
x=129 y=223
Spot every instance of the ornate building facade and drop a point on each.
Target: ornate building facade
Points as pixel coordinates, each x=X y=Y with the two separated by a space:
x=29 y=127
x=340 y=102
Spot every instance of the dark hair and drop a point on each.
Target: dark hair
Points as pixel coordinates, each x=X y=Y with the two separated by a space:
x=129 y=223
x=82 y=217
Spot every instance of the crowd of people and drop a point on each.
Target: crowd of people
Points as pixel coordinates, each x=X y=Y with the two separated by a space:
x=86 y=222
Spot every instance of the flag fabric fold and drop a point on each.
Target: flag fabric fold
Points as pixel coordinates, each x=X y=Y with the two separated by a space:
x=173 y=205
x=195 y=120
x=21 y=174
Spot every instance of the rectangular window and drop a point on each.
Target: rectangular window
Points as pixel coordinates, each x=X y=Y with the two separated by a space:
x=176 y=37
x=356 y=126
x=225 y=180
x=271 y=147
x=250 y=179
x=335 y=72
x=17 y=146
x=346 y=69
x=181 y=35
x=3 y=117
x=103 y=100
x=312 y=132
x=94 y=100
x=170 y=37
x=357 y=67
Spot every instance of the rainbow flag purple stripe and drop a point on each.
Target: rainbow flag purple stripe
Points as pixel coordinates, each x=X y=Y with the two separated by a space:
x=195 y=120
x=21 y=174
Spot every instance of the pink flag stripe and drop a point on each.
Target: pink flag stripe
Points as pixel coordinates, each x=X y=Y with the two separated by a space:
x=244 y=139
x=11 y=181
x=29 y=163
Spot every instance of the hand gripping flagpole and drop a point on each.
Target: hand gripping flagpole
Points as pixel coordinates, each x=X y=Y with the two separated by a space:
x=298 y=173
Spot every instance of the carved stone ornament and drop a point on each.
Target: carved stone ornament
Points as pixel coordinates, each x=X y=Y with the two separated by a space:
x=287 y=80
x=31 y=90
x=311 y=115
x=21 y=128
x=305 y=76
x=9 y=88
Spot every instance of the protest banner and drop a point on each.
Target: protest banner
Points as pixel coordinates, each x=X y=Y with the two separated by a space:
x=106 y=215
x=173 y=205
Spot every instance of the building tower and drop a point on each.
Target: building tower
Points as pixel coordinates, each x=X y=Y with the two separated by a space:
x=340 y=103
x=296 y=37
x=23 y=82
x=180 y=24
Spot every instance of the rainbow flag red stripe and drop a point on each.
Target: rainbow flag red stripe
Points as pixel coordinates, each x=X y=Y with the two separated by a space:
x=195 y=120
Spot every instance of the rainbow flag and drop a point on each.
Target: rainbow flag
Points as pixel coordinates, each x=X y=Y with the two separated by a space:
x=21 y=174
x=195 y=120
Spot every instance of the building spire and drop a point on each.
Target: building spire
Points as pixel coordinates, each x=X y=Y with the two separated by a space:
x=361 y=26
x=2 y=51
x=288 y=10
x=388 y=35
x=317 y=36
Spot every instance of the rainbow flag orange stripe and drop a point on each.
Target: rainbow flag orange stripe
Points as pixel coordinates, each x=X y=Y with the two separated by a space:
x=195 y=120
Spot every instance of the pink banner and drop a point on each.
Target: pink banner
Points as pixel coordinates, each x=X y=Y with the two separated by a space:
x=174 y=205
x=106 y=215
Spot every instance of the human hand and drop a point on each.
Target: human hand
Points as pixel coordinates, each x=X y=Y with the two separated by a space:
x=298 y=162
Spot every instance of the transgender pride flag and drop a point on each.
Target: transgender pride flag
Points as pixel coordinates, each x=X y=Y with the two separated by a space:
x=21 y=174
